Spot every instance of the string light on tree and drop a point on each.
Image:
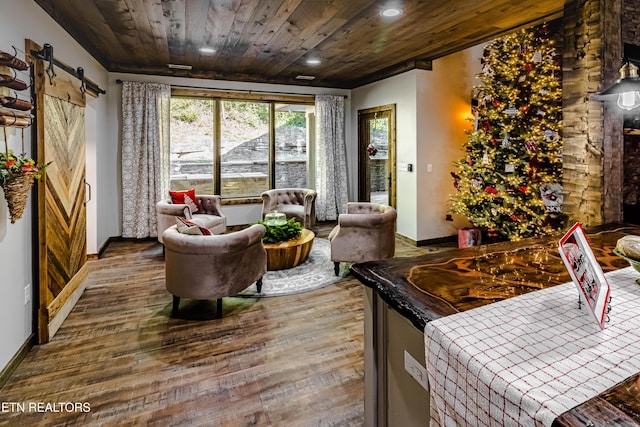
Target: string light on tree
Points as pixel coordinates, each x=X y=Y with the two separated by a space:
x=515 y=147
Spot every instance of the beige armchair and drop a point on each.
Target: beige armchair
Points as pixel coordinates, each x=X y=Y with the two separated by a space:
x=213 y=267
x=210 y=216
x=367 y=232
x=298 y=203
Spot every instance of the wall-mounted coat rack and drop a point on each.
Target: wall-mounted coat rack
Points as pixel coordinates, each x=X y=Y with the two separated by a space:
x=17 y=171
x=14 y=111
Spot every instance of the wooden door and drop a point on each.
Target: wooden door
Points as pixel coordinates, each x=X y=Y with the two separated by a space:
x=376 y=155
x=61 y=196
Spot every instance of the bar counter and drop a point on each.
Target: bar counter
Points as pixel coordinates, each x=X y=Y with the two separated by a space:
x=420 y=289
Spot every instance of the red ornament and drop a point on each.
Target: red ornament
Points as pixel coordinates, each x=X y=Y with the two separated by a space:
x=456 y=178
x=531 y=145
x=534 y=167
x=496 y=103
x=491 y=190
x=514 y=217
x=523 y=189
x=528 y=66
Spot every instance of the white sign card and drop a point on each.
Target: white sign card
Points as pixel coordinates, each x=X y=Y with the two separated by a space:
x=585 y=272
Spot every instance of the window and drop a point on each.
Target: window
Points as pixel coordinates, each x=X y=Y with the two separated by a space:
x=239 y=148
x=292 y=140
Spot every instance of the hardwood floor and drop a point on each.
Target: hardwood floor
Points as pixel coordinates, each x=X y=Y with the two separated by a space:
x=293 y=360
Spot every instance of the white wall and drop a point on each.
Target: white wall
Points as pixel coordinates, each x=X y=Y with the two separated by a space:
x=431 y=108
x=22 y=20
x=444 y=110
x=236 y=214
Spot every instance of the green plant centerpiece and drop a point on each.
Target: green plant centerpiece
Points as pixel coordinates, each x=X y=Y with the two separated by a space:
x=281 y=231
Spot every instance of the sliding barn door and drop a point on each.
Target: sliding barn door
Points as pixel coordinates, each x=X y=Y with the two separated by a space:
x=61 y=196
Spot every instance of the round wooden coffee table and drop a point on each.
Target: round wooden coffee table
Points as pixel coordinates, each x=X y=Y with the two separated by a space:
x=291 y=253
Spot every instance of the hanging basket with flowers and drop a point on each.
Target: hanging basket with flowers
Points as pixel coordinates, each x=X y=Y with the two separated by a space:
x=17 y=173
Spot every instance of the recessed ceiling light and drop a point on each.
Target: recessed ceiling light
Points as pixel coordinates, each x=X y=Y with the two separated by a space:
x=391 y=12
x=302 y=77
x=207 y=50
x=313 y=61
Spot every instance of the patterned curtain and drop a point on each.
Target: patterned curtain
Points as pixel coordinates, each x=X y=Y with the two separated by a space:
x=331 y=160
x=145 y=155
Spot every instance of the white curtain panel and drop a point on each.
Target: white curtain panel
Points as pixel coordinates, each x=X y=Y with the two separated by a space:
x=145 y=155
x=331 y=160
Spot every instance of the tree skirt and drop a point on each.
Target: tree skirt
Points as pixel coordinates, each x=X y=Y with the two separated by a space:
x=315 y=273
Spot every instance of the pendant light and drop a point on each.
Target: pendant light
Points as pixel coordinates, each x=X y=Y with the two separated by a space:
x=627 y=87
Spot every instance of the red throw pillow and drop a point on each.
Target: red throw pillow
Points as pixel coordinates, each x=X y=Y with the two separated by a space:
x=187 y=197
x=187 y=227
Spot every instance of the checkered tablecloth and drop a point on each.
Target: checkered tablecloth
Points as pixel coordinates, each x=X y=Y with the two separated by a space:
x=526 y=360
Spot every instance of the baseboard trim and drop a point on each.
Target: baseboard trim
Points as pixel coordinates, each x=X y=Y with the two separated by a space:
x=105 y=246
x=428 y=242
x=112 y=239
x=15 y=361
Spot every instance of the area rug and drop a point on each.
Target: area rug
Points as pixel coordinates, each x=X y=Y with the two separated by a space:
x=315 y=273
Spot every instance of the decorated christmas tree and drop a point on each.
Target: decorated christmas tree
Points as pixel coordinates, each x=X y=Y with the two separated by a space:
x=509 y=181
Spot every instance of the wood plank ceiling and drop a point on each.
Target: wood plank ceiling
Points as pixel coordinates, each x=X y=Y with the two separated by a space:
x=270 y=41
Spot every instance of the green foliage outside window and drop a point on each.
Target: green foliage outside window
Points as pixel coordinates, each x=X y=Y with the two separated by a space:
x=291 y=118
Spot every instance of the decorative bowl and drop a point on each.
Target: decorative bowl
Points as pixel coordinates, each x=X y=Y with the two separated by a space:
x=634 y=263
x=275 y=218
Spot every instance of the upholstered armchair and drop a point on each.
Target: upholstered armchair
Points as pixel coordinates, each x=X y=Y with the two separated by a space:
x=209 y=216
x=298 y=203
x=215 y=266
x=367 y=232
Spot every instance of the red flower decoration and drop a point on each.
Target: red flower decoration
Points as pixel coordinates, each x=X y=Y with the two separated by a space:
x=28 y=169
x=491 y=190
x=10 y=163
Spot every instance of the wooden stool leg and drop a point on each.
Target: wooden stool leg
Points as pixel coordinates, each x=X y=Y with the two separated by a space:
x=219 y=308
x=259 y=285
x=176 y=304
x=336 y=268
